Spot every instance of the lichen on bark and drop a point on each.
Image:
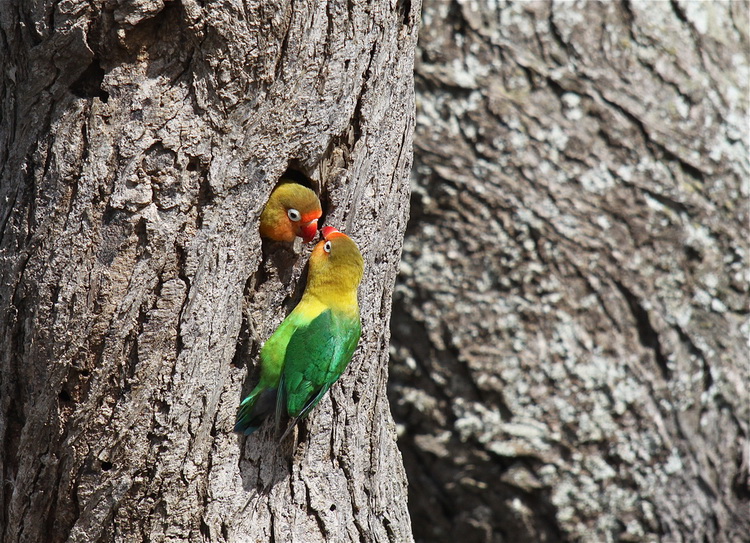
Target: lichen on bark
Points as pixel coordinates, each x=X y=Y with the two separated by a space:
x=570 y=320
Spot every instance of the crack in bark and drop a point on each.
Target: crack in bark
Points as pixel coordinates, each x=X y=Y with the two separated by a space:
x=651 y=143
x=647 y=335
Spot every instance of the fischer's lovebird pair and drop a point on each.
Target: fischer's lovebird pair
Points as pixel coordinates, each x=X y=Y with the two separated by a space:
x=312 y=347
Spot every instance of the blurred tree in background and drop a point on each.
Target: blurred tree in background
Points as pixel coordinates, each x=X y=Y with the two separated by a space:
x=570 y=324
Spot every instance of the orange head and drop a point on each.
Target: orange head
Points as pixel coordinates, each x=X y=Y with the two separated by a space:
x=292 y=210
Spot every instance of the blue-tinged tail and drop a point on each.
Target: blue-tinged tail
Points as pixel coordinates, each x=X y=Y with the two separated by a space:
x=254 y=410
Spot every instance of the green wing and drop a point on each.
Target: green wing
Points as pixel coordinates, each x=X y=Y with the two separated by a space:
x=316 y=356
x=263 y=399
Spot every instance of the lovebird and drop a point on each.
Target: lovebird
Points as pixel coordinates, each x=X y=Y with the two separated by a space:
x=292 y=210
x=311 y=348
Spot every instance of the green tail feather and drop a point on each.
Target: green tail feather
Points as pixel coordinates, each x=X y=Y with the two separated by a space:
x=254 y=410
x=296 y=413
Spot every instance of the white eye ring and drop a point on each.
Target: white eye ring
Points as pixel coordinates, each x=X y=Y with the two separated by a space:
x=327 y=247
x=293 y=214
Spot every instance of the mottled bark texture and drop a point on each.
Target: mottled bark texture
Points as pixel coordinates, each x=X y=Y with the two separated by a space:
x=139 y=143
x=570 y=322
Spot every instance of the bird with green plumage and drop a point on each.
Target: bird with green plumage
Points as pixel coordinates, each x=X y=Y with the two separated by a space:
x=312 y=347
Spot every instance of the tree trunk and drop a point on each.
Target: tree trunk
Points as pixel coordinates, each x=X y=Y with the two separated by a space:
x=571 y=318
x=139 y=143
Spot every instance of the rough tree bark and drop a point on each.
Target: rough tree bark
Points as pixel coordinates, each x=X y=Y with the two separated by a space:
x=571 y=317
x=139 y=143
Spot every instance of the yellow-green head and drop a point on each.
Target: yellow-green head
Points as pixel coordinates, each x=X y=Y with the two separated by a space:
x=336 y=268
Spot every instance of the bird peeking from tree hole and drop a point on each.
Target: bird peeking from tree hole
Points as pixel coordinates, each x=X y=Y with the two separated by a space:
x=292 y=211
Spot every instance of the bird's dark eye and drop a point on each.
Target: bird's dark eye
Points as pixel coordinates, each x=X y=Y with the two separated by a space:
x=327 y=247
x=293 y=215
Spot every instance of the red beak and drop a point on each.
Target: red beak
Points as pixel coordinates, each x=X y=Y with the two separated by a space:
x=328 y=230
x=309 y=230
